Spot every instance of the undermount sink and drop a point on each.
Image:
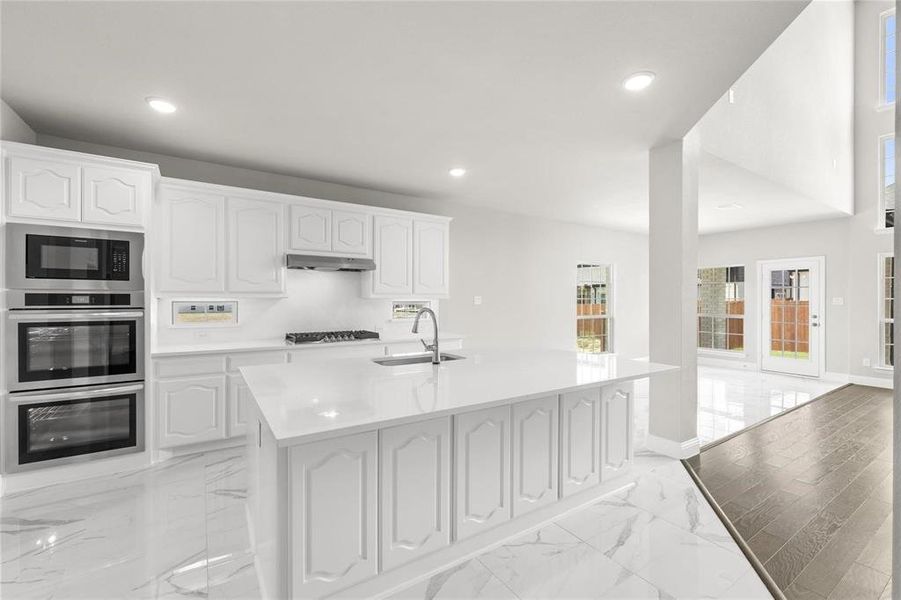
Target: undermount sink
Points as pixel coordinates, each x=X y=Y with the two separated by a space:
x=412 y=359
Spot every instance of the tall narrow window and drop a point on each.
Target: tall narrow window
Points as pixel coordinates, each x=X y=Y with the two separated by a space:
x=887 y=180
x=887 y=310
x=593 y=308
x=721 y=308
x=887 y=80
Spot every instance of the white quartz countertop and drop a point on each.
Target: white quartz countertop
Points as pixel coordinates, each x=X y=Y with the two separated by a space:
x=320 y=398
x=276 y=344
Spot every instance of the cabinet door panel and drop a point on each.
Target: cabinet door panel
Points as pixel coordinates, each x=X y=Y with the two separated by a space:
x=351 y=233
x=415 y=484
x=616 y=430
x=256 y=261
x=580 y=437
x=193 y=242
x=482 y=441
x=115 y=196
x=393 y=256
x=311 y=228
x=44 y=189
x=238 y=399
x=430 y=258
x=191 y=410
x=535 y=429
x=334 y=499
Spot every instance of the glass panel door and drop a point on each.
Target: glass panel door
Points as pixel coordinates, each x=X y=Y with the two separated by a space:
x=791 y=334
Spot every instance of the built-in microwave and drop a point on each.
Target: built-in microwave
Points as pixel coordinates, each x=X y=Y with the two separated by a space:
x=66 y=339
x=58 y=427
x=65 y=258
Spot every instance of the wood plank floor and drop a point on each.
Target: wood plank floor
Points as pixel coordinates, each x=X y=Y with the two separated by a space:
x=810 y=493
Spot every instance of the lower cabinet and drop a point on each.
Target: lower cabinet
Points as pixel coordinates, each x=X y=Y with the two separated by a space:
x=334 y=493
x=482 y=478
x=415 y=490
x=238 y=397
x=616 y=430
x=535 y=426
x=580 y=442
x=191 y=410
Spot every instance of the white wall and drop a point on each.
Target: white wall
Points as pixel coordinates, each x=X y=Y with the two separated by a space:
x=13 y=128
x=524 y=268
x=851 y=245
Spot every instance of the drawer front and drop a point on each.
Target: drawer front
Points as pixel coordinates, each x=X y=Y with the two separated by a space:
x=189 y=366
x=248 y=359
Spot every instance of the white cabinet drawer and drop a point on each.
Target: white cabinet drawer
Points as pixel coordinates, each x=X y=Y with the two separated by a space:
x=236 y=361
x=189 y=366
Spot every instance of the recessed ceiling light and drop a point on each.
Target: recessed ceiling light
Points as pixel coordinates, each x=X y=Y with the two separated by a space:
x=638 y=81
x=161 y=105
x=457 y=172
x=729 y=206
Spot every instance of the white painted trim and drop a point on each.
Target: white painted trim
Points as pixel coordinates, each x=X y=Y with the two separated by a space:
x=837 y=377
x=739 y=363
x=881 y=103
x=880 y=382
x=673 y=449
x=880 y=311
x=880 y=200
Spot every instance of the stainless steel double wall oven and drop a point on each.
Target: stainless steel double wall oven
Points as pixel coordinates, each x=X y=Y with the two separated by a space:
x=74 y=345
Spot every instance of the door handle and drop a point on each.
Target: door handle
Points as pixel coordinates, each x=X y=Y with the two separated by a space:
x=814 y=324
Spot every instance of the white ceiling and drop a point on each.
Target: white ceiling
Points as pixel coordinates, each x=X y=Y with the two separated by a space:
x=390 y=95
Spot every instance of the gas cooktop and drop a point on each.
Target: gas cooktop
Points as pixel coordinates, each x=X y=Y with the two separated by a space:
x=321 y=337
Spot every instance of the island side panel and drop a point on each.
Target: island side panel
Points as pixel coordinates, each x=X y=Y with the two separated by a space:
x=268 y=506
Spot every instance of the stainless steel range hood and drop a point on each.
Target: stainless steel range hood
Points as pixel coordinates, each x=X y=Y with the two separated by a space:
x=329 y=263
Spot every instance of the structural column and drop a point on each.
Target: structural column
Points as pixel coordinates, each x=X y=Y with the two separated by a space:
x=673 y=245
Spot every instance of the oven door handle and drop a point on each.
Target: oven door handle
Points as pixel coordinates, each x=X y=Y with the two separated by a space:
x=71 y=395
x=73 y=316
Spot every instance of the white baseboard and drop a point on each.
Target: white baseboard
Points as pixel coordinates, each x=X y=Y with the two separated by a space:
x=837 y=377
x=13 y=483
x=727 y=363
x=673 y=449
x=880 y=382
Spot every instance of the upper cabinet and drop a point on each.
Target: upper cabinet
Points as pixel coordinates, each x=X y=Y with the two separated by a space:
x=256 y=249
x=318 y=229
x=211 y=241
x=43 y=184
x=411 y=257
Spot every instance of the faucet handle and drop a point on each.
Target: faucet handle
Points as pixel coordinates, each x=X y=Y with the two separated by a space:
x=426 y=345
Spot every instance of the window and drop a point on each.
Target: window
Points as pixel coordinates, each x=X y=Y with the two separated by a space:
x=887 y=181
x=887 y=79
x=593 y=308
x=721 y=308
x=887 y=310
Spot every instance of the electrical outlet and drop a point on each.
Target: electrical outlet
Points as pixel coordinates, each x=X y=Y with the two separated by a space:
x=477 y=300
x=866 y=362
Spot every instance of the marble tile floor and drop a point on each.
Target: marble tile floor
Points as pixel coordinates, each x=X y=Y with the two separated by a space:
x=177 y=530
x=730 y=400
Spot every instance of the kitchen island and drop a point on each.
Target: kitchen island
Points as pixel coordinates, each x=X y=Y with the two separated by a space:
x=364 y=477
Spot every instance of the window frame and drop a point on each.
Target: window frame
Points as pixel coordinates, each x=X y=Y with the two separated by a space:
x=611 y=304
x=880 y=190
x=715 y=351
x=883 y=17
x=881 y=319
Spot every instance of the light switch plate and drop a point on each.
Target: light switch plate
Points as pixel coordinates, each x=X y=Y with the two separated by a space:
x=838 y=302
x=477 y=300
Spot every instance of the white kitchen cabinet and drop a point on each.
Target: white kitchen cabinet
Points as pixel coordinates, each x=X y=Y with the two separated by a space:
x=256 y=247
x=431 y=241
x=115 y=196
x=191 y=410
x=238 y=397
x=43 y=188
x=351 y=233
x=415 y=490
x=616 y=430
x=482 y=470
x=193 y=242
x=393 y=254
x=535 y=427
x=580 y=440
x=335 y=506
x=311 y=228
